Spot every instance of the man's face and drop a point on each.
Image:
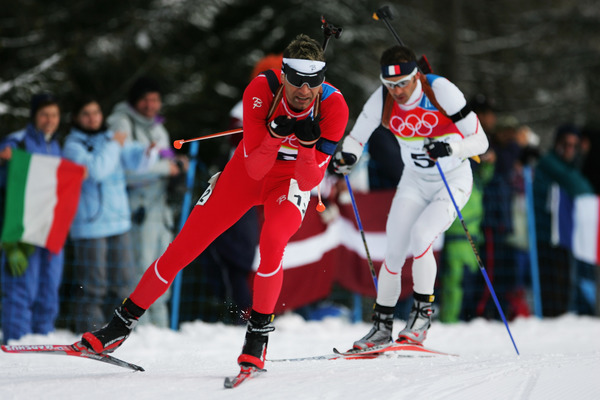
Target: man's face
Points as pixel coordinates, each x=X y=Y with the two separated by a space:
x=149 y=105
x=47 y=119
x=568 y=147
x=402 y=94
x=299 y=98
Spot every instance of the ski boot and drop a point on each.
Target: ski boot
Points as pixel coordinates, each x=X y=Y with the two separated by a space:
x=381 y=332
x=112 y=335
x=255 y=343
x=418 y=321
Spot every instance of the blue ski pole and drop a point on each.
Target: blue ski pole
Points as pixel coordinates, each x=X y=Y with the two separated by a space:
x=479 y=262
x=533 y=255
x=185 y=210
x=362 y=232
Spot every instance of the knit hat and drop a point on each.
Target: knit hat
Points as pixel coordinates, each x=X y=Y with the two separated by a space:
x=41 y=100
x=140 y=88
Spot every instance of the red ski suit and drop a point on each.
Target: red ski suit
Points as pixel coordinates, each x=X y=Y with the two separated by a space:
x=275 y=173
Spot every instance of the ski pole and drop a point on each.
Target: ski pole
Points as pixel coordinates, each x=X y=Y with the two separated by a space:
x=178 y=143
x=385 y=14
x=532 y=236
x=328 y=31
x=185 y=211
x=479 y=262
x=362 y=232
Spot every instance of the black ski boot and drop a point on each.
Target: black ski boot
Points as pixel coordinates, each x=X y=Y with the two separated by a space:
x=255 y=343
x=108 y=338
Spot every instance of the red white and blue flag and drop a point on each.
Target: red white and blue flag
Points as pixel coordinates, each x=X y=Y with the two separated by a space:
x=576 y=224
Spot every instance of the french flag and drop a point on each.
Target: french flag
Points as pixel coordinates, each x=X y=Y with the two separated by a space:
x=586 y=230
x=576 y=224
x=393 y=70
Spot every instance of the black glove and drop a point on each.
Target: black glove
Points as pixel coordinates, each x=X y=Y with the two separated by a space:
x=281 y=126
x=436 y=150
x=343 y=162
x=308 y=131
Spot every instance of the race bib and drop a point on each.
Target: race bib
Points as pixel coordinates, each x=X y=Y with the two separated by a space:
x=298 y=197
x=211 y=186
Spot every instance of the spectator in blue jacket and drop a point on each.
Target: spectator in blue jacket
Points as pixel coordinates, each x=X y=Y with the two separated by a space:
x=104 y=264
x=31 y=275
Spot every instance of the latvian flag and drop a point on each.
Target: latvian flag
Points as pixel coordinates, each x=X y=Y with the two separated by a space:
x=42 y=193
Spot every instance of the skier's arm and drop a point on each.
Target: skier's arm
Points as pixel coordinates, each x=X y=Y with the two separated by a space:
x=312 y=162
x=259 y=147
x=452 y=100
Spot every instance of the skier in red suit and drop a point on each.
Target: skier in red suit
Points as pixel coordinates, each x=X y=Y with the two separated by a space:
x=292 y=122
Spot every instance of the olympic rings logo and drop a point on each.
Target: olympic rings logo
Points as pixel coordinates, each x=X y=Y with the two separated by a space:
x=291 y=140
x=420 y=125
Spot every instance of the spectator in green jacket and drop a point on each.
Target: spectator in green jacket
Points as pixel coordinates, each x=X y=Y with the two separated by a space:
x=458 y=294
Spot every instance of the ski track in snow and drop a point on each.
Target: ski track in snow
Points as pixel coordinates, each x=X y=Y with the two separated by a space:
x=192 y=364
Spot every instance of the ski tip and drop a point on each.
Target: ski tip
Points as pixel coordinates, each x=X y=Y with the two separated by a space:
x=245 y=374
x=228 y=384
x=347 y=352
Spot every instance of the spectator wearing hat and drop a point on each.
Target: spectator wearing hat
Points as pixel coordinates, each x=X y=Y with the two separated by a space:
x=31 y=275
x=152 y=231
x=557 y=179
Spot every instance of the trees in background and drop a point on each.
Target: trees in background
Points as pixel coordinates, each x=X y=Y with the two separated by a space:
x=540 y=61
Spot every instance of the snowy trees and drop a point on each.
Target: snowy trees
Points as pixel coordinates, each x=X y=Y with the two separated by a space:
x=539 y=60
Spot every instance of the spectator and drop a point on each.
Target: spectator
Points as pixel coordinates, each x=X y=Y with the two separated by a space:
x=590 y=138
x=461 y=286
x=460 y=271
x=529 y=153
x=153 y=223
x=555 y=175
x=590 y=135
x=31 y=275
x=104 y=263
x=499 y=254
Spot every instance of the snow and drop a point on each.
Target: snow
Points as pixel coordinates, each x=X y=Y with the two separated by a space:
x=560 y=359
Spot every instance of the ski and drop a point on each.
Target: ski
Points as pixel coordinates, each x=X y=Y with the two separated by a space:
x=406 y=349
x=76 y=349
x=309 y=358
x=246 y=373
x=398 y=349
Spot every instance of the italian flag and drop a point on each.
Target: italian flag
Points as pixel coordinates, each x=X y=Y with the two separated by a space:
x=42 y=193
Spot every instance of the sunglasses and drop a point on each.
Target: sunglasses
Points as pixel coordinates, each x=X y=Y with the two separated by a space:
x=402 y=83
x=298 y=79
